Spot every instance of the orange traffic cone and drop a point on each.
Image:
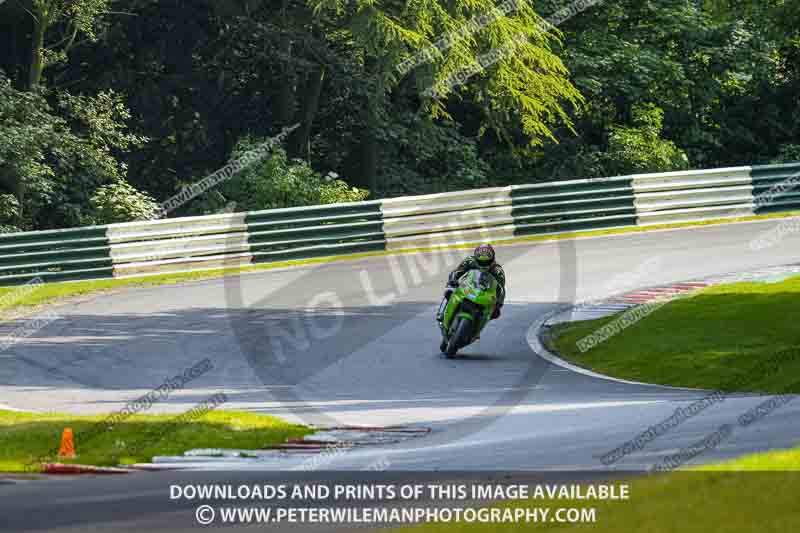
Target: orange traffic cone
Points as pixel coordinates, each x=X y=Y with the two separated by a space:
x=67 y=449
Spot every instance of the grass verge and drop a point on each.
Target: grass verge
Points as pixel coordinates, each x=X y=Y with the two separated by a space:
x=736 y=337
x=55 y=292
x=680 y=502
x=27 y=439
x=778 y=460
x=754 y=493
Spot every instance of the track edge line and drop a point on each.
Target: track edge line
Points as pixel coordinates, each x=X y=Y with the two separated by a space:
x=539 y=349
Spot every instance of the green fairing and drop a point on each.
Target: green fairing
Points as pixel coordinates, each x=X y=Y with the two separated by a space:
x=480 y=288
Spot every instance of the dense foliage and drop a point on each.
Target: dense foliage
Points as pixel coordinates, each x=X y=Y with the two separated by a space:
x=121 y=202
x=107 y=107
x=277 y=181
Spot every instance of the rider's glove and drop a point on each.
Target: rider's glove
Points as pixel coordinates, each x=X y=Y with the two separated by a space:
x=452 y=280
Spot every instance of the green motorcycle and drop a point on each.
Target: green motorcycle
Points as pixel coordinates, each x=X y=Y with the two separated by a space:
x=468 y=310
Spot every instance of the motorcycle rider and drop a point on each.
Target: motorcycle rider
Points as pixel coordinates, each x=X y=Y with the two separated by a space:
x=482 y=258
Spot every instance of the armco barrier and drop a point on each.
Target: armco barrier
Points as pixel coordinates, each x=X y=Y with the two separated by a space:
x=573 y=205
x=55 y=255
x=690 y=196
x=305 y=232
x=447 y=219
x=462 y=217
x=774 y=188
x=179 y=244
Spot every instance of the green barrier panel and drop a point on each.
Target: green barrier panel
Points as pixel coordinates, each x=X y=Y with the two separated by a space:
x=601 y=185
x=39 y=246
x=288 y=243
x=52 y=255
x=340 y=230
x=49 y=276
x=766 y=176
x=308 y=252
x=341 y=220
x=574 y=225
x=75 y=264
x=304 y=232
x=776 y=188
x=570 y=215
x=580 y=205
x=531 y=197
x=779 y=206
x=768 y=197
x=784 y=181
x=91 y=234
x=767 y=169
x=607 y=204
x=25 y=258
x=367 y=210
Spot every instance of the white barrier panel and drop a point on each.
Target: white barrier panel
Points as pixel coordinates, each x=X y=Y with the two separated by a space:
x=443 y=222
x=178 y=245
x=184 y=247
x=183 y=264
x=694 y=179
x=695 y=214
x=658 y=201
x=174 y=228
x=445 y=202
x=448 y=218
x=451 y=238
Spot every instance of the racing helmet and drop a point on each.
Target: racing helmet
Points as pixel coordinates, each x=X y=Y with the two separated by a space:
x=484 y=255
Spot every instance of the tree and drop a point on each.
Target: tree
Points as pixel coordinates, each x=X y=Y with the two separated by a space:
x=398 y=98
x=66 y=21
x=278 y=181
x=52 y=159
x=640 y=148
x=523 y=90
x=120 y=202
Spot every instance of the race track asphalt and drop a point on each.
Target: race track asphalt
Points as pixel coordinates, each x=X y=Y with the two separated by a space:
x=354 y=342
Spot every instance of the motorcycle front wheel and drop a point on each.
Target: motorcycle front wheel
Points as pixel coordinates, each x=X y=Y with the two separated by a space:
x=459 y=338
